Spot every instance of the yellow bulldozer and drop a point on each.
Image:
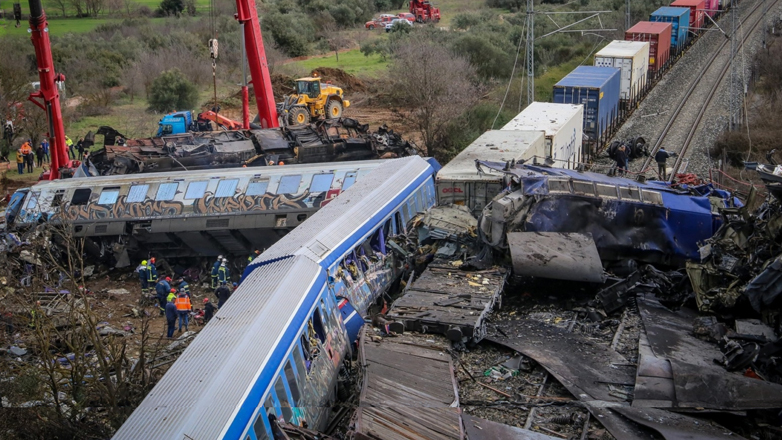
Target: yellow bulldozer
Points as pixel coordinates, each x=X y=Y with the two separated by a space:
x=313 y=100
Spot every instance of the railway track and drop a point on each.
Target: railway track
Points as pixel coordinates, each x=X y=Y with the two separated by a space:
x=686 y=117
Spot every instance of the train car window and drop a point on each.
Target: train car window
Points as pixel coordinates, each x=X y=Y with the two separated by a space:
x=57 y=200
x=307 y=349
x=81 y=196
x=196 y=190
x=166 y=191
x=108 y=196
x=317 y=326
x=321 y=182
x=285 y=406
x=405 y=213
x=289 y=185
x=350 y=179
x=292 y=385
x=257 y=188
x=299 y=361
x=137 y=193
x=33 y=202
x=260 y=427
x=226 y=188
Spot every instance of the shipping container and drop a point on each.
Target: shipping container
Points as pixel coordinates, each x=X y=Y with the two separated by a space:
x=632 y=59
x=712 y=7
x=563 y=126
x=597 y=89
x=679 y=19
x=460 y=183
x=697 y=8
x=659 y=37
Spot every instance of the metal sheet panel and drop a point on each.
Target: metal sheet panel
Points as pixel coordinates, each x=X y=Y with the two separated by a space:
x=202 y=391
x=563 y=126
x=556 y=255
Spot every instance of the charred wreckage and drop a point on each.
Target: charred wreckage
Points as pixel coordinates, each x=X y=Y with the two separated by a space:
x=330 y=140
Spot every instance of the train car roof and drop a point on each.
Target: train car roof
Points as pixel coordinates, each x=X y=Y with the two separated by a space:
x=354 y=212
x=80 y=182
x=205 y=392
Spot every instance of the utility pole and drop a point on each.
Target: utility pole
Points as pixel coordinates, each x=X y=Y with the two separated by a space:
x=530 y=52
x=732 y=89
x=627 y=15
x=765 y=22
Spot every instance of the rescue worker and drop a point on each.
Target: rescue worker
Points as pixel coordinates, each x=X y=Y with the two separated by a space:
x=20 y=161
x=182 y=285
x=661 y=157
x=161 y=289
x=223 y=274
x=171 y=295
x=183 y=308
x=143 y=276
x=152 y=269
x=253 y=256
x=80 y=148
x=209 y=310
x=171 y=315
x=621 y=160
x=69 y=144
x=222 y=293
x=45 y=146
x=215 y=269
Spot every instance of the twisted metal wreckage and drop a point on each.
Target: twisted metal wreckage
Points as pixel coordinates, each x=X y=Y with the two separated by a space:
x=330 y=140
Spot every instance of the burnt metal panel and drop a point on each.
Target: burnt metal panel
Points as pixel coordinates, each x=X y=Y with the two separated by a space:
x=556 y=255
x=675 y=426
x=482 y=429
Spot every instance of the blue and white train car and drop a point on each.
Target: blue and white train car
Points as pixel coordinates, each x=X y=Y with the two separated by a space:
x=276 y=348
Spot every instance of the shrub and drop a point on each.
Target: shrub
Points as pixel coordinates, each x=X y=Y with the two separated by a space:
x=172 y=91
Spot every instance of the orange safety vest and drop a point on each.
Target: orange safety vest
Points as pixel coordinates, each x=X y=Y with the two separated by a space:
x=26 y=149
x=183 y=304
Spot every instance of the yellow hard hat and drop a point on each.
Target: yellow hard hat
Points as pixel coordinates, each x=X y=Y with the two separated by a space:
x=143 y=262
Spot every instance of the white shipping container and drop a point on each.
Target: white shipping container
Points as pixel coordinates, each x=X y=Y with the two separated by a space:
x=632 y=59
x=563 y=125
x=459 y=182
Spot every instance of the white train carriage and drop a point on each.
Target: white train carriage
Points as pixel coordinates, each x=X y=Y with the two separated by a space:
x=275 y=350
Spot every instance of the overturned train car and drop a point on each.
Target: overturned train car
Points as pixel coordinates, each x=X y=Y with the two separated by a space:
x=182 y=214
x=331 y=140
x=648 y=222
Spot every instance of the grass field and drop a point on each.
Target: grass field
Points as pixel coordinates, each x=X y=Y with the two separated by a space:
x=352 y=61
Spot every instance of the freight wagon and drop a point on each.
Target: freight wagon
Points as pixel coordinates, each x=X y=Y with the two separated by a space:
x=597 y=89
x=563 y=127
x=632 y=60
x=659 y=37
x=460 y=183
x=697 y=8
x=679 y=19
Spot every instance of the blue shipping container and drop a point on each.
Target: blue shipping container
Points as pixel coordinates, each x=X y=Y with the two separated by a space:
x=679 y=19
x=597 y=89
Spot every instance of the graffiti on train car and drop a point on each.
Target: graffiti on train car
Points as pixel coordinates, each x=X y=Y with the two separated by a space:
x=123 y=209
x=244 y=203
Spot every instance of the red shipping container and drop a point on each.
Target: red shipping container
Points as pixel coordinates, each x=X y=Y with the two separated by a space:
x=697 y=8
x=658 y=35
x=712 y=6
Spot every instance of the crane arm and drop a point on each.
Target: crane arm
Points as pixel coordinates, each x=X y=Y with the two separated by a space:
x=247 y=15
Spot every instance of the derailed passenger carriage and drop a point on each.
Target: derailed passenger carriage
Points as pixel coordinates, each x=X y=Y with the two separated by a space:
x=275 y=350
x=193 y=213
x=648 y=222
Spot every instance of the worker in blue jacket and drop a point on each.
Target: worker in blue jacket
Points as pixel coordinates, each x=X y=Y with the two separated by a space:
x=161 y=289
x=223 y=274
x=151 y=272
x=183 y=286
x=215 y=270
x=171 y=316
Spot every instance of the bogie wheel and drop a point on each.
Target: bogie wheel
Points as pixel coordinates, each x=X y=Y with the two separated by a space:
x=298 y=116
x=334 y=109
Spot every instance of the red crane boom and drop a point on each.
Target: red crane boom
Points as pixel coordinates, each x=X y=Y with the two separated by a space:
x=259 y=66
x=48 y=97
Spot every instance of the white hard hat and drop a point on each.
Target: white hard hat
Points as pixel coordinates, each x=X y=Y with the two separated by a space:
x=225 y=260
x=220 y=257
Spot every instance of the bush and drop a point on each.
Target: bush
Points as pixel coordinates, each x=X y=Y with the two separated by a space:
x=489 y=60
x=172 y=7
x=291 y=32
x=171 y=91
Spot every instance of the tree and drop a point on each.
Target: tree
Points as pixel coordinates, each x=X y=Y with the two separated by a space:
x=172 y=7
x=61 y=5
x=432 y=86
x=172 y=91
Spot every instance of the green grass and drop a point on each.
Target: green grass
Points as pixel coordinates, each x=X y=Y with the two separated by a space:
x=353 y=62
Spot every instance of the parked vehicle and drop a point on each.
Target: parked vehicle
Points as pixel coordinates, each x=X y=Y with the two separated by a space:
x=407 y=16
x=424 y=11
x=379 y=22
x=402 y=21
